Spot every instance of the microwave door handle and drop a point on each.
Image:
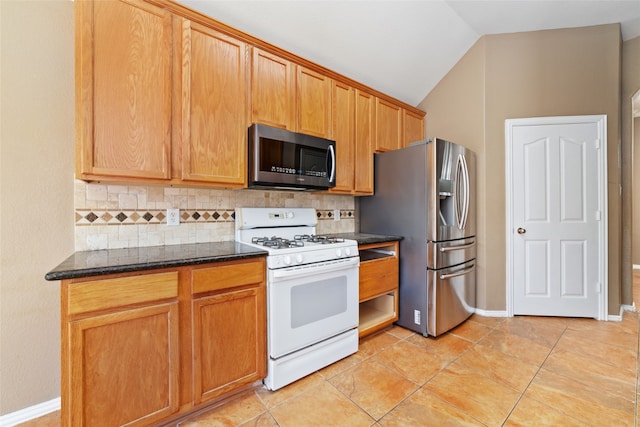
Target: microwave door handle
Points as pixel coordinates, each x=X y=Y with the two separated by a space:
x=332 y=176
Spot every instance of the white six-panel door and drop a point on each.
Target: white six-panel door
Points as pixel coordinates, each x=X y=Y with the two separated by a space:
x=556 y=216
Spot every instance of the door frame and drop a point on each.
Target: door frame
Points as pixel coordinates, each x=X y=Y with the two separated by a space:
x=601 y=121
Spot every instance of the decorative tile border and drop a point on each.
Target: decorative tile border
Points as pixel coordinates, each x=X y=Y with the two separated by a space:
x=89 y=217
x=328 y=214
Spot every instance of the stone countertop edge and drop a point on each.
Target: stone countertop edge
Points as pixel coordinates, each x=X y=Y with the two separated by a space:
x=367 y=238
x=127 y=260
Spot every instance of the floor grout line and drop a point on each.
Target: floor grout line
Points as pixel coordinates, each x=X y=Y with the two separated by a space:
x=449 y=356
x=535 y=375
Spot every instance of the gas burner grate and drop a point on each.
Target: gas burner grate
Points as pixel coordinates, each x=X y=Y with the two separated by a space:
x=313 y=238
x=277 y=242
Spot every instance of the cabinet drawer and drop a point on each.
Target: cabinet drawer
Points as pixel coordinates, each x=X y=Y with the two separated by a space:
x=110 y=293
x=378 y=276
x=227 y=276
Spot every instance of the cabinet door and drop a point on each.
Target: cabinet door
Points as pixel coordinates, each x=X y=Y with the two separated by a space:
x=272 y=90
x=229 y=334
x=123 y=89
x=229 y=327
x=388 y=126
x=343 y=133
x=413 y=127
x=365 y=128
x=313 y=103
x=214 y=93
x=124 y=367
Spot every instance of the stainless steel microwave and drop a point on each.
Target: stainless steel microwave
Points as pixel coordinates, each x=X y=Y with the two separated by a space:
x=282 y=159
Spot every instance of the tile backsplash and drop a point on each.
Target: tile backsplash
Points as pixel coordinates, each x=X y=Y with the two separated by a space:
x=120 y=216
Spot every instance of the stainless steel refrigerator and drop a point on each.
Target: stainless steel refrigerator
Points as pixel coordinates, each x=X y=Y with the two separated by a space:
x=426 y=193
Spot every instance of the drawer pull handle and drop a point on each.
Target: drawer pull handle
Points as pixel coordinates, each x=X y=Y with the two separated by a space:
x=457 y=248
x=458 y=273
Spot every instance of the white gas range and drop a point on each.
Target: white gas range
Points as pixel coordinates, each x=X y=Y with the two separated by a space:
x=312 y=291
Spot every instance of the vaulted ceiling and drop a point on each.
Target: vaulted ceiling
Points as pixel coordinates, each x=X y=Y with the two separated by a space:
x=403 y=48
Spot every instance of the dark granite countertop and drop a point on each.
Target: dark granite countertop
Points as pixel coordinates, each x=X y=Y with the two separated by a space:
x=367 y=239
x=111 y=261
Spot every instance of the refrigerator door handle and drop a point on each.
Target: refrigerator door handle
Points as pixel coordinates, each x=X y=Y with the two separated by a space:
x=458 y=273
x=462 y=192
x=457 y=248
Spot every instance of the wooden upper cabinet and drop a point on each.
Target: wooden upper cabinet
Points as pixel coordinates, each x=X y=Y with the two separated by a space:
x=413 y=127
x=343 y=132
x=214 y=106
x=364 y=140
x=313 y=103
x=166 y=96
x=272 y=90
x=123 y=89
x=388 y=126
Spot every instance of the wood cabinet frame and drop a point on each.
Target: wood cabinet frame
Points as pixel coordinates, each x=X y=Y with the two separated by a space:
x=154 y=319
x=102 y=150
x=173 y=139
x=379 y=287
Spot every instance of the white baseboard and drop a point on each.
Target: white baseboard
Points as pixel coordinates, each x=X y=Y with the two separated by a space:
x=491 y=313
x=617 y=317
x=610 y=317
x=30 y=413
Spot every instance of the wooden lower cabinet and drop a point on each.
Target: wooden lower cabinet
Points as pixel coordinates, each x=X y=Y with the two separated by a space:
x=146 y=347
x=229 y=334
x=379 y=279
x=122 y=367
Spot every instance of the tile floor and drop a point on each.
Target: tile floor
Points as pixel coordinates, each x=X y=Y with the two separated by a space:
x=521 y=371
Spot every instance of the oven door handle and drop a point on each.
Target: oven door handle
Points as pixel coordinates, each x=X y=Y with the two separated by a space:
x=324 y=267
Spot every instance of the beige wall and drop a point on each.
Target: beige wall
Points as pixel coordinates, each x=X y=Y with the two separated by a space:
x=630 y=164
x=36 y=193
x=630 y=85
x=455 y=111
x=635 y=188
x=533 y=74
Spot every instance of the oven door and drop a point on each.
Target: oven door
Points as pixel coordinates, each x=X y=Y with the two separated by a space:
x=310 y=303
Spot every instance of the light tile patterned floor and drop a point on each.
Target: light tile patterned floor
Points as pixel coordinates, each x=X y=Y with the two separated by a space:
x=521 y=371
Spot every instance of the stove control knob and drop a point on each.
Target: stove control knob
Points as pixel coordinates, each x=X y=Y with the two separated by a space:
x=338 y=252
x=347 y=251
x=299 y=259
x=288 y=214
x=287 y=260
